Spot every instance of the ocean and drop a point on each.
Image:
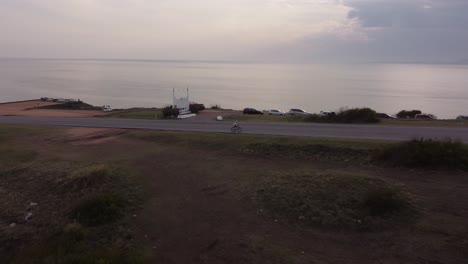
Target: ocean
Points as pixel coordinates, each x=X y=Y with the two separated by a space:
x=437 y=89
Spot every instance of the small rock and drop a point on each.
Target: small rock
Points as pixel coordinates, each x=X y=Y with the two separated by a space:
x=12 y=224
x=134 y=215
x=32 y=204
x=28 y=216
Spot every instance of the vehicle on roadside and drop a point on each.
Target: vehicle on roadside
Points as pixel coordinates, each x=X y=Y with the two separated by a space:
x=384 y=116
x=424 y=117
x=276 y=112
x=107 y=108
x=462 y=117
x=326 y=113
x=296 y=111
x=251 y=111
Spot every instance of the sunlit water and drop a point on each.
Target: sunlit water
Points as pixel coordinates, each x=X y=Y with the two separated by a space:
x=438 y=89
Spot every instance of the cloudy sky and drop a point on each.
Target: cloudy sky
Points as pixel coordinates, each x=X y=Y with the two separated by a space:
x=265 y=30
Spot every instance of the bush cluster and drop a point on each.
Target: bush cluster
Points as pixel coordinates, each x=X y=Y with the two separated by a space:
x=425 y=153
x=354 y=115
x=346 y=202
x=408 y=114
x=170 y=111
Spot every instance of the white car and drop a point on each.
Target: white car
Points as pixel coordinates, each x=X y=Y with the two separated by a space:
x=295 y=111
x=107 y=108
x=276 y=112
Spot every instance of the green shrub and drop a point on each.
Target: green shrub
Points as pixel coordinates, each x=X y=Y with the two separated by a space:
x=91 y=176
x=215 y=107
x=354 y=115
x=425 y=153
x=170 y=111
x=348 y=202
x=99 y=210
x=408 y=114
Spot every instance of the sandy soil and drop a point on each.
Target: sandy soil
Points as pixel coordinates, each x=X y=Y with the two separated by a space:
x=21 y=109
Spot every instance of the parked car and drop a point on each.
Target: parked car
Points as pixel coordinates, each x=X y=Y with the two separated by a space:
x=462 y=117
x=424 y=116
x=326 y=113
x=276 y=112
x=106 y=108
x=251 y=111
x=296 y=111
x=383 y=116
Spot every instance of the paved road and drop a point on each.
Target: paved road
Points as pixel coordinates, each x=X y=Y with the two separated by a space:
x=285 y=129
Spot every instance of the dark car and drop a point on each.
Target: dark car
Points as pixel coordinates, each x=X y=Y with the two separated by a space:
x=251 y=111
x=383 y=116
x=425 y=116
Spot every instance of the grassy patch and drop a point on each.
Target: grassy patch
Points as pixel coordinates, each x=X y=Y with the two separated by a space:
x=99 y=210
x=265 y=118
x=98 y=196
x=10 y=155
x=236 y=142
x=425 y=153
x=347 y=202
x=307 y=151
x=72 y=246
x=137 y=113
x=92 y=176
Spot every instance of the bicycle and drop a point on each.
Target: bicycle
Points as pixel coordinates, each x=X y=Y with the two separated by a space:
x=236 y=129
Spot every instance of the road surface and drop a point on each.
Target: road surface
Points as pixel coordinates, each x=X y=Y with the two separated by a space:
x=377 y=132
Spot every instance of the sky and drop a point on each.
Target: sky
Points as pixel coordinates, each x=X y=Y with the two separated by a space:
x=250 y=30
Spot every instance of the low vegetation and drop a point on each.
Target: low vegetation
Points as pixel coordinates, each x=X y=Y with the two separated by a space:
x=56 y=211
x=170 y=112
x=336 y=201
x=408 y=113
x=425 y=153
x=215 y=107
x=308 y=151
x=100 y=209
x=354 y=115
x=137 y=113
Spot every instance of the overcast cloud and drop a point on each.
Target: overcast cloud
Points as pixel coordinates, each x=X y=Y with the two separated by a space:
x=267 y=30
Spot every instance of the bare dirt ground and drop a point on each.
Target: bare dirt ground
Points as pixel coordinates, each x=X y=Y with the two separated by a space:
x=90 y=136
x=199 y=206
x=24 y=108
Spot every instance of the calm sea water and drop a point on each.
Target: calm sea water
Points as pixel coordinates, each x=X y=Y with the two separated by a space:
x=438 y=89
